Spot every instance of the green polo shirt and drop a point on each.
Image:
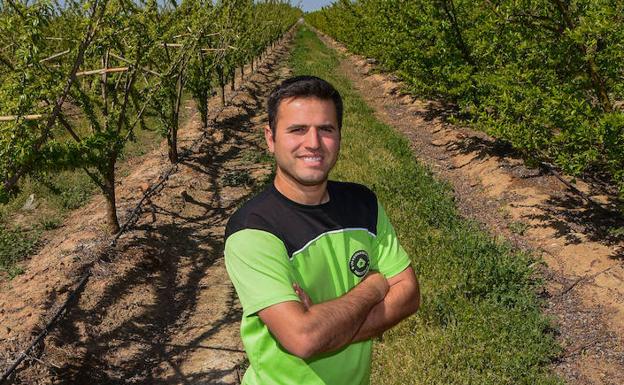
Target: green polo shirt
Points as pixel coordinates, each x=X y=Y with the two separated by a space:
x=272 y=242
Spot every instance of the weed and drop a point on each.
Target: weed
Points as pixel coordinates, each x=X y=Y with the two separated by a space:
x=14 y=245
x=238 y=178
x=616 y=231
x=255 y=156
x=518 y=227
x=75 y=192
x=51 y=223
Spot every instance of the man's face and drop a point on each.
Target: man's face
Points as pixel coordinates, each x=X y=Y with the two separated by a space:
x=306 y=141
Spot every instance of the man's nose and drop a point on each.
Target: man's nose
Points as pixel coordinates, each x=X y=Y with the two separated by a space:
x=312 y=138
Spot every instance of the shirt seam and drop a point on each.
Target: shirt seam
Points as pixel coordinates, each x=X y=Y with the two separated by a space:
x=336 y=231
x=255 y=308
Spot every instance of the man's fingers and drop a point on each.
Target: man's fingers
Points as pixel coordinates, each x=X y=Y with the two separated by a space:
x=377 y=281
x=303 y=296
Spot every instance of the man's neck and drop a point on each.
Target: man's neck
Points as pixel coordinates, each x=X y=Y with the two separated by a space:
x=305 y=195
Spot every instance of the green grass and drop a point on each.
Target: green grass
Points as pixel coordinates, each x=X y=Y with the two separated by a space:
x=480 y=320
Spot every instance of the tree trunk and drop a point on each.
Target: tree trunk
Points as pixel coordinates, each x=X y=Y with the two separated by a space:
x=205 y=119
x=105 y=84
x=222 y=85
x=233 y=85
x=172 y=143
x=176 y=112
x=449 y=9
x=172 y=139
x=204 y=110
x=598 y=83
x=109 y=194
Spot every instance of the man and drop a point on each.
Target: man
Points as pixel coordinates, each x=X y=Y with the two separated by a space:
x=316 y=264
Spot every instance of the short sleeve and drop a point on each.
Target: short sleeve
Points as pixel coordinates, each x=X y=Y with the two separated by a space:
x=258 y=266
x=391 y=257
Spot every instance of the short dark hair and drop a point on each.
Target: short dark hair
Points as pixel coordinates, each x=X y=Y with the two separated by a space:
x=304 y=87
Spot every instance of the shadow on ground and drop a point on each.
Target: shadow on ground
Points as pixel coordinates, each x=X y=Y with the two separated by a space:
x=125 y=325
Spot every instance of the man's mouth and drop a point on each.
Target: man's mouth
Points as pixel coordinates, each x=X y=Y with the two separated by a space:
x=311 y=158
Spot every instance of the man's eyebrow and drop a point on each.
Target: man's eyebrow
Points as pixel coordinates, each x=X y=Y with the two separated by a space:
x=323 y=126
x=295 y=126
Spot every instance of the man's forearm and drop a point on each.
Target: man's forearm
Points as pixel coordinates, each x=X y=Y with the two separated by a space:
x=333 y=324
x=402 y=300
x=305 y=329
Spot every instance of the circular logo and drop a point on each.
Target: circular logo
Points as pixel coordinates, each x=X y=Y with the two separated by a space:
x=359 y=263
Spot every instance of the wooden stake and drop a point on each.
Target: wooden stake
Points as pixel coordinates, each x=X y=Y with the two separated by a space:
x=10 y=118
x=213 y=49
x=129 y=62
x=102 y=71
x=55 y=56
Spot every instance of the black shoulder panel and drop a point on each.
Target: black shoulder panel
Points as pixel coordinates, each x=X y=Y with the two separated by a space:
x=350 y=206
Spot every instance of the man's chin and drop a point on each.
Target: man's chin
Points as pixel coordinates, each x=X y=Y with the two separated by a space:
x=311 y=180
x=308 y=178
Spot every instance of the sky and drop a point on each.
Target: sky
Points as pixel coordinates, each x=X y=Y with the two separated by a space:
x=311 y=5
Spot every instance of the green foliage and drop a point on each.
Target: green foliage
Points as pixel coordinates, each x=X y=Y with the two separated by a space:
x=14 y=244
x=480 y=320
x=543 y=75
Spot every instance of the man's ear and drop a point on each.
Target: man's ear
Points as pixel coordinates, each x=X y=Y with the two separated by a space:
x=270 y=140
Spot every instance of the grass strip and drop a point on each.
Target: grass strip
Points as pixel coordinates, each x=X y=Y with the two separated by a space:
x=480 y=321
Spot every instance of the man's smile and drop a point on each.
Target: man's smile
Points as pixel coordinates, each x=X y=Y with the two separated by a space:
x=311 y=158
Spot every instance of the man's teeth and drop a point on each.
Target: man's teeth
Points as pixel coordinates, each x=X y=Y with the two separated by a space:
x=312 y=158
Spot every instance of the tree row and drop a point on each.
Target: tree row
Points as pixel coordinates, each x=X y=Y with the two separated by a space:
x=78 y=78
x=546 y=76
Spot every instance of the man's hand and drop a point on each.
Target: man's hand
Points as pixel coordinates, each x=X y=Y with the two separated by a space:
x=306 y=329
x=374 y=280
x=306 y=301
x=402 y=300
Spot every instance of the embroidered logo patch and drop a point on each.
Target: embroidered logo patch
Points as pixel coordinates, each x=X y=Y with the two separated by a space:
x=359 y=263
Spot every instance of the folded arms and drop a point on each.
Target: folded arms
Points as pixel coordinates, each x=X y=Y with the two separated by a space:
x=370 y=308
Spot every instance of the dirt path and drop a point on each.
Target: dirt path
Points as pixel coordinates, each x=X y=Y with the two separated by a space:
x=585 y=269
x=159 y=308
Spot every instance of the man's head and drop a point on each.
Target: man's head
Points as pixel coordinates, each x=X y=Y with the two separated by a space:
x=303 y=134
x=303 y=87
